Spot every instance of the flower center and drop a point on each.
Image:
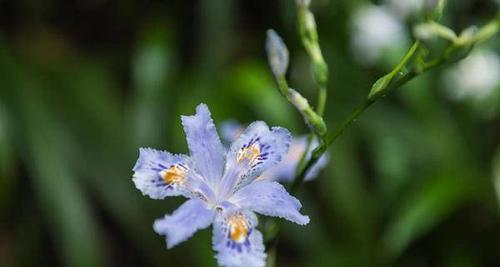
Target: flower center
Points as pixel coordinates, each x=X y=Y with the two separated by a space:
x=238 y=228
x=250 y=153
x=174 y=174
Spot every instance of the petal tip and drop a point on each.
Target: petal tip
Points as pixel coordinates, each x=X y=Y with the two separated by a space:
x=304 y=220
x=160 y=229
x=171 y=244
x=202 y=107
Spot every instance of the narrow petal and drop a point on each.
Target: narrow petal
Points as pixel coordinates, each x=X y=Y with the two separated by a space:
x=190 y=217
x=271 y=199
x=317 y=167
x=205 y=147
x=237 y=242
x=257 y=149
x=159 y=174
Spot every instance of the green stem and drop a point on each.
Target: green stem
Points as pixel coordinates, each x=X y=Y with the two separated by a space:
x=408 y=56
x=322 y=95
x=310 y=42
x=490 y=30
x=318 y=152
x=329 y=140
x=326 y=142
x=394 y=82
x=282 y=86
x=383 y=84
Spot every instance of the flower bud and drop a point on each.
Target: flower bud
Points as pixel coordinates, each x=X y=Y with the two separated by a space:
x=431 y=30
x=467 y=36
x=379 y=86
x=298 y=100
x=309 y=37
x=312 y=118
x=277 y=54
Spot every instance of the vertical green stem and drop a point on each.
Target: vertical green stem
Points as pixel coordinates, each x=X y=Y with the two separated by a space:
x=322 y=95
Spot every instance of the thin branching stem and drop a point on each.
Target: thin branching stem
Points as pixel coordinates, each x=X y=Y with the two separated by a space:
x=394 y=84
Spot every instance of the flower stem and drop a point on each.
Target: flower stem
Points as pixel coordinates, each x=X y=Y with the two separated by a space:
x=306 y=25
x=318 y=152
x=399 y=76
x=337 y=132
x=322 y=95
x=393 y=82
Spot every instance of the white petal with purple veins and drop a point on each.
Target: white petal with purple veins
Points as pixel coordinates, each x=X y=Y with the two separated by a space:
x=222 y=187
x=237 y=241
x=257 y=149
x=158 y=174
x=271 y=199
x=285 y=170
x=205 y=147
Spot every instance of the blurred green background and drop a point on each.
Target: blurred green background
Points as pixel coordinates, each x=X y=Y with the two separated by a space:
x=84 y=84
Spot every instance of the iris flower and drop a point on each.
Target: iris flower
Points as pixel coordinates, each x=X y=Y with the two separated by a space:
x=221 y=187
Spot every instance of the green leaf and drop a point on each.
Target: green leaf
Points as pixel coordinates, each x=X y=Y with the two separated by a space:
x=7 y=160
x=153 y=69
x=424 y=208
x=62 y=201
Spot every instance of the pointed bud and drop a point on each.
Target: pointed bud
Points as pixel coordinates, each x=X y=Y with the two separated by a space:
x=315 y=122
x=431 y=30
x=467 y=36
x=379 y=86
x=462 y=46
x=309 y=37
x=298 y=100
x=310 y=26
x=277 y=54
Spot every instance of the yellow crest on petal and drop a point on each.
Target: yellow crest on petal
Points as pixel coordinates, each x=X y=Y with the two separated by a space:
x=250 y=153
x=174 y=174
x=238 y=228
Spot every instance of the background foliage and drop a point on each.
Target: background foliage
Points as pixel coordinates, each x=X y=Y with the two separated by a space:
x=84 y=84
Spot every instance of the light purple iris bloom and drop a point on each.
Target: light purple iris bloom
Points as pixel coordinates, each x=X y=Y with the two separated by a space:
x=221 y=186
x=284 y=171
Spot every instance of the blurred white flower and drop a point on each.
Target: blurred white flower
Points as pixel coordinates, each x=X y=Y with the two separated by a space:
x=410 y=8
x=475 y=77
x=376 y=30
x=405 y=8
